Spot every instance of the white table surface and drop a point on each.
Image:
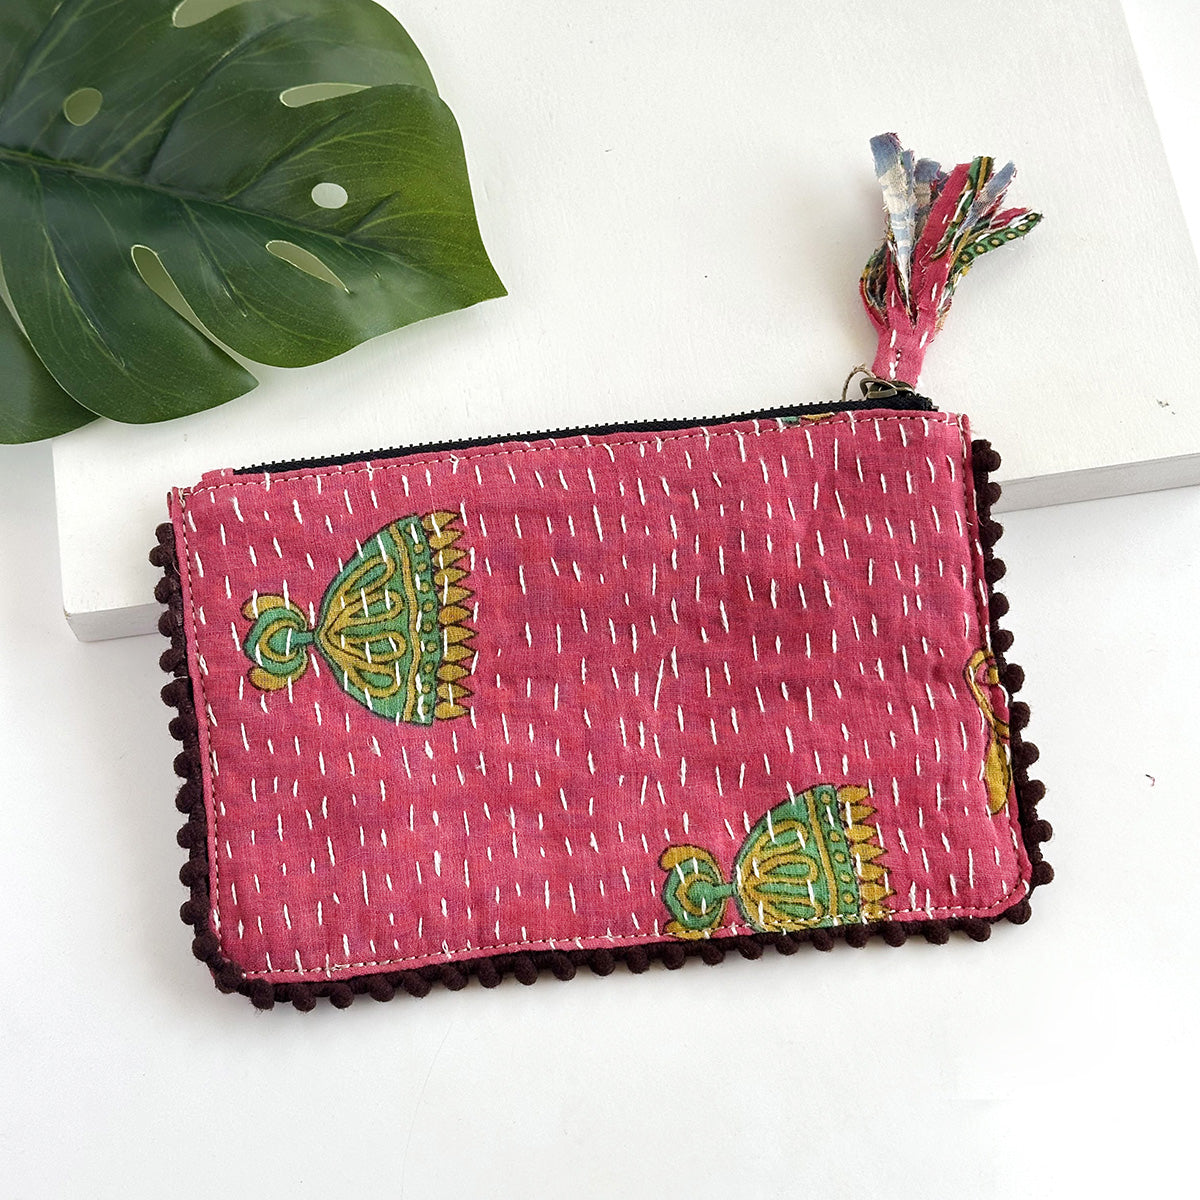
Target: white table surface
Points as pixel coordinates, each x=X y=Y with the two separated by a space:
x=1058 y=1059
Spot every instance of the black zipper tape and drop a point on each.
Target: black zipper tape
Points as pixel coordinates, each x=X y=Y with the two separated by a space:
x=903 y=402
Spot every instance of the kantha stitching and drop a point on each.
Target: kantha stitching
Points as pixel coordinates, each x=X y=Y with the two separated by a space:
x=970 y=536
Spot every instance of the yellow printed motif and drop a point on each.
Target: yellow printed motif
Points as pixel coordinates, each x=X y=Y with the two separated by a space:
x=982 y=678
x=392 y=625
x=814 y=860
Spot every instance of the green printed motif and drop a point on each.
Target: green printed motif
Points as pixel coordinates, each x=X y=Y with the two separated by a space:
x=808 y=862
x=391 y=625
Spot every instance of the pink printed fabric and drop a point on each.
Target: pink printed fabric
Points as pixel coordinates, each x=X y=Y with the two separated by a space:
x=673 y=632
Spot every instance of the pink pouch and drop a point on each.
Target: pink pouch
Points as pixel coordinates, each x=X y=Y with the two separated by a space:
x=624 y=694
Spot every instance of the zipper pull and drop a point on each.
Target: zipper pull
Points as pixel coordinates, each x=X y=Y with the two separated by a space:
x=874 y=389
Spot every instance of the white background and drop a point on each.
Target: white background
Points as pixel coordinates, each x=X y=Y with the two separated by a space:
x=1058 y=1059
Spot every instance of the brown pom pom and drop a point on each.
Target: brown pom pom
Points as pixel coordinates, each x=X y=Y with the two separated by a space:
x=525 y=969
x=486 y=973
x=191 y=835
x=1019 y=913
x=454 y=977
x=894 y=933
x=1043 y=873
x=936 y=932
x=340 y=996
x=985 y=458
x=175 y=693
x=188 y=797
x=1026 y=754
x=823 y=940
x=602 y=962
x=787 y=944
x=192 y=872
x=228 y=977
x=637 y=960
x=301 y=996
x=172 y=659
x=262 y=995
x=1041 y=831
x=711 y=952
x=561 y=966
x=673 y=956
x=415 y=984
x=976 y=929
x=1013 y=678
x=381 y=988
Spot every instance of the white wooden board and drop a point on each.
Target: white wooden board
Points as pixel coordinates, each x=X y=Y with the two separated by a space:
x=680 y=199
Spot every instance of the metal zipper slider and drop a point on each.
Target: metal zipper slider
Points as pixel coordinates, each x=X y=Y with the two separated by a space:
x=875 y=389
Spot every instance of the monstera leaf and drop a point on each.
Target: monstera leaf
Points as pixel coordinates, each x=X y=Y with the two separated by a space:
x=273 y=177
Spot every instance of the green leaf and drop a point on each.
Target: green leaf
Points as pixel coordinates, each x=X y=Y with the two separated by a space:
x=139 y=137
x=32 y=405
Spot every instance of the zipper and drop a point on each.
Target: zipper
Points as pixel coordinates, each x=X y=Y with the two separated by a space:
x=901 y=398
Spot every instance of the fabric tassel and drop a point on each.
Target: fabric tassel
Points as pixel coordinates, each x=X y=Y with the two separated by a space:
x=938 y=224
